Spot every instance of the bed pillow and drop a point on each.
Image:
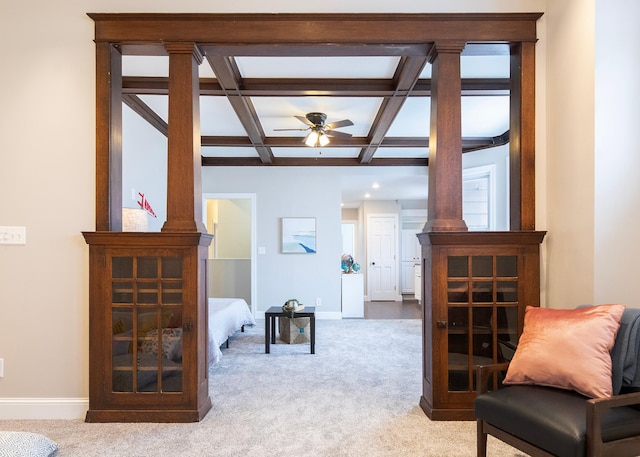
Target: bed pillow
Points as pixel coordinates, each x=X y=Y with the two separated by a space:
x=26 y=444
x=567 y=348
x=171 y=343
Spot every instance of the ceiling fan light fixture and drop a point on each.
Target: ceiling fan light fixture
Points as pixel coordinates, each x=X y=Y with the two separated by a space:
x=323 y=139
x=311 y=139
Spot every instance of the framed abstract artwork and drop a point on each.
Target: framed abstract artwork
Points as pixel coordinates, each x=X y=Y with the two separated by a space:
x=298 y=235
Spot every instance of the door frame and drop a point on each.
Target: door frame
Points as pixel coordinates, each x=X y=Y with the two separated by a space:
x=254 y=263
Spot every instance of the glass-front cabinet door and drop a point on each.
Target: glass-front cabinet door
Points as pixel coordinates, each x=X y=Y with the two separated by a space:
x=146 y=322
x=482 y=314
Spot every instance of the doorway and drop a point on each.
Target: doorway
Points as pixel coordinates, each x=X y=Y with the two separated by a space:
x=382 y=255
x=231 y=219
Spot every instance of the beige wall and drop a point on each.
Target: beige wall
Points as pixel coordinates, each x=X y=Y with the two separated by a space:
x=569 y=125
x=47 y=176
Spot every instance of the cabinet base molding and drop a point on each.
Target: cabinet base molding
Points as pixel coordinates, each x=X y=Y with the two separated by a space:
x=129 y=415
x=437 y=414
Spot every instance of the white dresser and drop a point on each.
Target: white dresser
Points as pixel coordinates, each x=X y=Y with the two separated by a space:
x=352 y=295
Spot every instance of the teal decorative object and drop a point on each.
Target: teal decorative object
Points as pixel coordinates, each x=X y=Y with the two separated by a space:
x=355 y=266
x=347 y=263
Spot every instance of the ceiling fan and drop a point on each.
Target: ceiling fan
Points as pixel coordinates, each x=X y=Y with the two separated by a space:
x=319 y=131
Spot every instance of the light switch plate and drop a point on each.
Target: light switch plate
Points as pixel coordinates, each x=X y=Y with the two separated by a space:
x=13 y=235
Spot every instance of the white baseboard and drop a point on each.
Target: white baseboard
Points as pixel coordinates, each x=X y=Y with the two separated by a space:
x=43 y=408
x=328 y=315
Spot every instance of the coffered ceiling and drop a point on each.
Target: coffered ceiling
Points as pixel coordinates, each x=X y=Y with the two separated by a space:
x=253 y=96
x=386 y=97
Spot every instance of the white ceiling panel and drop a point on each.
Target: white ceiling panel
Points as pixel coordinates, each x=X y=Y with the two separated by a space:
x=157 y=66
x=485 y=116
x=217 y=151
x=316 y=152
x=484 y=66
x=413 y=118
x=317 y=67
x=395 y=153
x=217 y=117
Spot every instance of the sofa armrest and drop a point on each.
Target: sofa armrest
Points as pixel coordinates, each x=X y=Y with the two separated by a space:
x=484 y=373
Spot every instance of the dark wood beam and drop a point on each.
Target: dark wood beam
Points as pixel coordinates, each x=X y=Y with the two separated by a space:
x=310 y=162
x=468 y=144
x=321 y=50
x=273 y=87
x=321 y=28
x=228 y=76
x=407 y=75
x=145 y=112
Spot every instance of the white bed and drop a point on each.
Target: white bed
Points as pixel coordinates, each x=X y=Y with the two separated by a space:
x=226 y=316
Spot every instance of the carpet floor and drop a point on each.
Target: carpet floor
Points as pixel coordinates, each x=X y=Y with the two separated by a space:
x=357 y=396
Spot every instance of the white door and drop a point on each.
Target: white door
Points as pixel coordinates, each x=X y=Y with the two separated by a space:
x=383 y=264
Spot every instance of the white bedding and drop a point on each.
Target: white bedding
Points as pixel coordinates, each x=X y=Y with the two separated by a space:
x=226 y=316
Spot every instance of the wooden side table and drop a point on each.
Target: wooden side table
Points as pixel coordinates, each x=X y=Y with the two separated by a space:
x=270 y=325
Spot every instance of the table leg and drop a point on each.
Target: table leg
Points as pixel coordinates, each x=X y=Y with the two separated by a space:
x=267 y=336
x=313 y=334
x=273 y=329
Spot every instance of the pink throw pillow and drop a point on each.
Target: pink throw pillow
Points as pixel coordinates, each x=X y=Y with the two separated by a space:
x=567 y=348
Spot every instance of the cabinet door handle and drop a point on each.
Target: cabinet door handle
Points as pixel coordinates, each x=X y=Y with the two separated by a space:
x=441 y=324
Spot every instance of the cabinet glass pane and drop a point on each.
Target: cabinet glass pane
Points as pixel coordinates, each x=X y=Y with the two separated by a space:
x=458 y=292
x=483 y=334
x=507 y=291
x=147 y=292
x=458 y=343
x=458 y=266
x=482 y=292
x=147 y=267
x=507 y=332
x=171 y=292
x=122 y=292
x=122 y=267
x=482 y=266
x=507 y=266
x=122 y=349
x=171 y=267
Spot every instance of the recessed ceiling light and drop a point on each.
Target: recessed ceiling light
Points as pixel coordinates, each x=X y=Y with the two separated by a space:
x=375 y=185
x=367 y=195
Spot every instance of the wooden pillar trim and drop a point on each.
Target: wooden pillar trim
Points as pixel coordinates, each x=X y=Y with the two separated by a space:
x=443 y=46
x=108 y=137
x=184 y=186
x=185 y=48
x=522 y=141
x=445 y=140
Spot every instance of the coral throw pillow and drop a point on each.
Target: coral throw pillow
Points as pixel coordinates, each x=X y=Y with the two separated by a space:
x=567 y=348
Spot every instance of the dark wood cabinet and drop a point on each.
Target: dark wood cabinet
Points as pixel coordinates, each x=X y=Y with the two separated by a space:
x=148 y=335
x=476 y=287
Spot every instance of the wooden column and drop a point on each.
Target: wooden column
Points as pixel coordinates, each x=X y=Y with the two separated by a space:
x=445 y=140
x=184 y=186
x=108 y=137
x=522 y=138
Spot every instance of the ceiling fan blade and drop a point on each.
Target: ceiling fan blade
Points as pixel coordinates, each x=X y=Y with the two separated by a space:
x=304 y=120
x=337 y=134
x=338 y=124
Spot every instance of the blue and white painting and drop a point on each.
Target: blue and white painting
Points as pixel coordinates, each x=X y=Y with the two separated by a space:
x=299 y=235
